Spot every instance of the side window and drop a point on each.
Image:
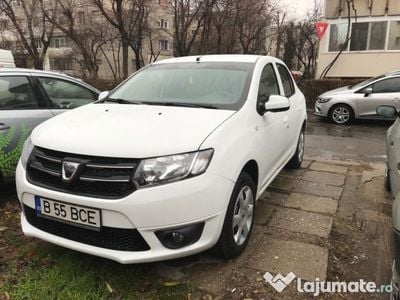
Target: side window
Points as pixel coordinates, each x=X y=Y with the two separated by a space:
x=391 y=85
x=16 y=93
x=268 y=85
x=287 y=82
x=64 y=94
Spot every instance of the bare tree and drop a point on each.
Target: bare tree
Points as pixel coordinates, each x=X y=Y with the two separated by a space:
x=86 y=32
x=188 y=17
x=252 y=21
x=33 y=30
x=129 y=17
x=350 y=7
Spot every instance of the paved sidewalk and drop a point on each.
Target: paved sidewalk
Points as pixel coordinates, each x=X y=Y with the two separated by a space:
x=330 y=220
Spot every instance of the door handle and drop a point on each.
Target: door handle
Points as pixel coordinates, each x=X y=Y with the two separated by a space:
x=4 y=126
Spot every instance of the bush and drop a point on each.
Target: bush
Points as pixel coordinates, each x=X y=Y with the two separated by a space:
x=103 y=85
x=313 y=88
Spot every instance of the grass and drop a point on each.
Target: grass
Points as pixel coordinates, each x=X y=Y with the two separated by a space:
x=31 y=269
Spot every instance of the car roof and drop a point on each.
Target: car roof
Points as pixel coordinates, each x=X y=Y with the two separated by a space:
x=215 y=58
x=46 y=73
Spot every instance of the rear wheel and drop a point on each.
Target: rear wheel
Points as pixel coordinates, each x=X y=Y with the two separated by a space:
x=341 y=114
x=238 y=220
x=297 y=159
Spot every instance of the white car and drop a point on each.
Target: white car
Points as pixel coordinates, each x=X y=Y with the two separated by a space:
x=169 y=164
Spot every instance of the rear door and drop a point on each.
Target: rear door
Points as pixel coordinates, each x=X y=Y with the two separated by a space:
x=385 y=92
x=294 y=114
x=64 y=95
x=21 y=109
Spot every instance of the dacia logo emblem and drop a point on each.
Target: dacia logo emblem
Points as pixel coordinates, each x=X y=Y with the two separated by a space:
x=69 y=170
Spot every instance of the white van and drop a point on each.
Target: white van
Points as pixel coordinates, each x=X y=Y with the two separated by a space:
x=6 y=59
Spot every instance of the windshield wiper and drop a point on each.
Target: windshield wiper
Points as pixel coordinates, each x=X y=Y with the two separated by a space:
x=190 y=105
x=121 y=101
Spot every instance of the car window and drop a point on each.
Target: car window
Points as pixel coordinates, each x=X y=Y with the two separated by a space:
x=391 y=85
x=268 y=85
x=287 y=82
x=64 y=94
x=16 y=93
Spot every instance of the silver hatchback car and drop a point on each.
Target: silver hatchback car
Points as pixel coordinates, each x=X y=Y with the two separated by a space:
x=360 y=101
x=27 y=98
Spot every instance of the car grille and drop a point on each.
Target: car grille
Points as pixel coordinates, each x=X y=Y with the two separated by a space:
x=107 y=237
x=101 y=177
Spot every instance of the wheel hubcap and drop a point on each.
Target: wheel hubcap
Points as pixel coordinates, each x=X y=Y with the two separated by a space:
x=300 y=149
x=341 y=115
x=243 y=215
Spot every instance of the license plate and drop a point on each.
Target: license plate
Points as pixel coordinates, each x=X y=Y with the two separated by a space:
x=64 y=212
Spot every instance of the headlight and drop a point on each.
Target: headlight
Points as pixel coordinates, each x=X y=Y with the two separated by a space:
x=323 y=100
x=26 y=151
x=172 y=168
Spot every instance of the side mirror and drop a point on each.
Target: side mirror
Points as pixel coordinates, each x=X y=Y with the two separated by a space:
x=368 y=91
x=277 y=103
x=387 y=111
x=103 y=95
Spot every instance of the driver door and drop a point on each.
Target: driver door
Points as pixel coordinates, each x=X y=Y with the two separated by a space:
x=20 y=112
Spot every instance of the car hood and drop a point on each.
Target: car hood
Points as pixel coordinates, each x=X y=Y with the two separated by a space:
x=135 y=131
x=339 y=91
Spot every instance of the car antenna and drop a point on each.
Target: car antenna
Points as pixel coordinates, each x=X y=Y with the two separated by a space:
x=198 y=59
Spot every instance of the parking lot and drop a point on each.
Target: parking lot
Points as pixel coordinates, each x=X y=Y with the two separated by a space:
x=330 y=220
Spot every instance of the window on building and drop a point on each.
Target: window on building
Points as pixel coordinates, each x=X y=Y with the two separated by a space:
x=338 y=34
x=162 y=23
x=61 y=64
x=58 y=42
x=3 y=25
x=377 y=36
x=394 y=36
x=36 y=21
x=359 y=36
x=164 y=45
x=368 y=36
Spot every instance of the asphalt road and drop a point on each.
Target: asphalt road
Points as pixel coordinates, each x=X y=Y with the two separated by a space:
x=362 y=140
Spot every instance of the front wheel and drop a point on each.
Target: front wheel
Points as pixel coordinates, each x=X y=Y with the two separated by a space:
x=341 y=114
x=238 y=220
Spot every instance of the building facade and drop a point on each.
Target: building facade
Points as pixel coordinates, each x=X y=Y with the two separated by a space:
x=374 y=46
x=62 y=55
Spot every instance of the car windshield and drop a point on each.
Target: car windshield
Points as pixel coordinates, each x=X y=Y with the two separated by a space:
x=366 y=82
x=204 y=84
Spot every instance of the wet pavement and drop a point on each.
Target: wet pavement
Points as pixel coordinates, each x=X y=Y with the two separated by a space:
x=363 y=140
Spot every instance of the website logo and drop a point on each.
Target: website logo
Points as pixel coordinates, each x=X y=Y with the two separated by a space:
x=279 y=282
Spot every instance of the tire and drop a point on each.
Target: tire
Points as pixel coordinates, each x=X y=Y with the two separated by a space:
x=341 y=114
x=231 y=243
x=297 y=159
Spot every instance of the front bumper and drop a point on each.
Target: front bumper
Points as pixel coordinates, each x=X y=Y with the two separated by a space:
x=200 y=199
x=321 y=109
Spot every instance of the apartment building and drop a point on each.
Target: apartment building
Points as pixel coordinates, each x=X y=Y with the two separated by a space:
x=374 y=47
x=62 y=55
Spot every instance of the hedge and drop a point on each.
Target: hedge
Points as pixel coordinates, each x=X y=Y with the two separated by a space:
x=313 y=88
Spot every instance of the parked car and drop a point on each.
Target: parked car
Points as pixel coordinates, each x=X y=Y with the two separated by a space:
x=361 y=100
x=6 y=59
x=392 y=183
x=169 y=164
x=27 y=98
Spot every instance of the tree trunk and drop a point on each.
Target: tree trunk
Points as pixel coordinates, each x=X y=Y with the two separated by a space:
x=125 y=62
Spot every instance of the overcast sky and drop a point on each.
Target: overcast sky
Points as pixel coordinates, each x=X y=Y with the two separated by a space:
x=297 y=8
